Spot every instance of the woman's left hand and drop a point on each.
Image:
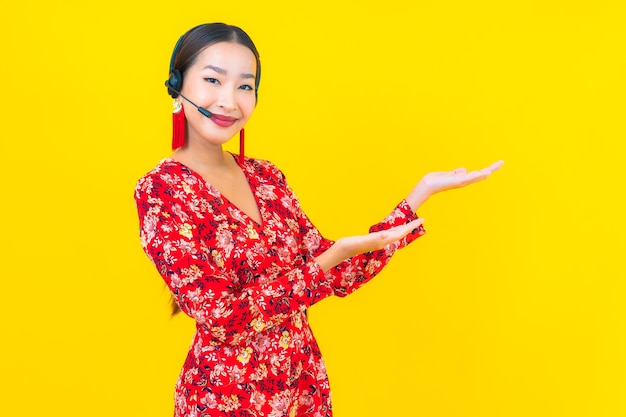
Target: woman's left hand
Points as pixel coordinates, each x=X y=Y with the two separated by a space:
x=436 y=182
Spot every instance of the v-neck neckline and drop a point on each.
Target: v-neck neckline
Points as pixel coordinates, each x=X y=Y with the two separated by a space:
x=217 y=192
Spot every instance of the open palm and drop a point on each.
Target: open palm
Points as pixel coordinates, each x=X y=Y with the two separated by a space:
x=436 y=182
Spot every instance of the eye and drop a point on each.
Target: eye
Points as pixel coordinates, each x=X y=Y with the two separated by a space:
x=247 y=87
x=211 y=80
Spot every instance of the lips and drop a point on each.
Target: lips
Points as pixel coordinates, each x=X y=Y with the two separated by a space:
x=223 y=121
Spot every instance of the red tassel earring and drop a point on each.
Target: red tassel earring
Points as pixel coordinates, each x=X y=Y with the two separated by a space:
x=178 y=125
x=242 y=134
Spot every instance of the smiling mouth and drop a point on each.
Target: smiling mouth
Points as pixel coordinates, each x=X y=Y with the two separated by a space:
x=223 y=121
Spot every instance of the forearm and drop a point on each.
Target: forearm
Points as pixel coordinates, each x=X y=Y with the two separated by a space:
x=333 y=256
x=401 y=226
x=418 y=196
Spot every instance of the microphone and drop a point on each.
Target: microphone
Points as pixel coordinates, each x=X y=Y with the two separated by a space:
x=208 y=114
x=202 y=110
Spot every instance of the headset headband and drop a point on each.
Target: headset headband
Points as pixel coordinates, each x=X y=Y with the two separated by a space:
x=175 y=81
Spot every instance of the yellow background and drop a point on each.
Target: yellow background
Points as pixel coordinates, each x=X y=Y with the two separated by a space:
x=511 y=305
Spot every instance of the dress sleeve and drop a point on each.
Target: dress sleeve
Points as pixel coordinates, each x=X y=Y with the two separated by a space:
x=356 y=271
x=171 y=239
x=351 y=274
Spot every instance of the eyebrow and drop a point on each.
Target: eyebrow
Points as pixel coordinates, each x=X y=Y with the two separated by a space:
x=224 y=72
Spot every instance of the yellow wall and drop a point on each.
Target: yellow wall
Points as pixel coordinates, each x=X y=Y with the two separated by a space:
x=511 y=305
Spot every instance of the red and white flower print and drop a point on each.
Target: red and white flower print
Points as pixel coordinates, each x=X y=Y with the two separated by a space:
x=247 y=286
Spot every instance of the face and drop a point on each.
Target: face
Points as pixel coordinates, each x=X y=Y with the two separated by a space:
x=221 y=80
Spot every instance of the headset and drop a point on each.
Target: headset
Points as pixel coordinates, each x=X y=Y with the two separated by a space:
x=174 y=83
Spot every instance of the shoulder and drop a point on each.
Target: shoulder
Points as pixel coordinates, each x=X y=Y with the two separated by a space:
x=166 y=177
x=264 y=169
x=154 y=180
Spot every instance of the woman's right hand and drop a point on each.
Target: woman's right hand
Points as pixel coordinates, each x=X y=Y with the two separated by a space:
x=348 y=247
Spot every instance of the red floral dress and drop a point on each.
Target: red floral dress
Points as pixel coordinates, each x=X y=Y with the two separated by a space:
x=247 y=286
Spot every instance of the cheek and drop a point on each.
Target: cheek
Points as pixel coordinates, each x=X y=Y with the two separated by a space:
x=193 y=116
x=247 y=106
x=203 y=96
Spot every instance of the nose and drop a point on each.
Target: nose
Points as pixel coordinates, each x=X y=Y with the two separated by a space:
x=227 y=99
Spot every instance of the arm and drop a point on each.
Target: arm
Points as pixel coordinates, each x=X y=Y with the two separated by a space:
x=351 y=262
x=171 y=239
x=354 y=260
x=361 y=258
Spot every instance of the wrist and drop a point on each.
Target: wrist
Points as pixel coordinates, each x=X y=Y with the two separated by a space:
x=418 y=196
x=342 y=250
x=334 y=255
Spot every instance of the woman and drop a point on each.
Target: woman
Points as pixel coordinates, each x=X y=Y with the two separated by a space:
x=240 y=257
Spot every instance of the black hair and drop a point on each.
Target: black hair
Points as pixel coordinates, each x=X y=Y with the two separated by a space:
x=196 y=39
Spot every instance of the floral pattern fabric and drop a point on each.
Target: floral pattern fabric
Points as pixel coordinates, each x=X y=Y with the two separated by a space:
x=247 y=286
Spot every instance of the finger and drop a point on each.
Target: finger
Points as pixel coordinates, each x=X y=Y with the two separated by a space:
x=409 y=227
x=491 y=168
x=475 y=176
x=416 y=223
x=482 y=174
x=495 y=166
x=398 y=232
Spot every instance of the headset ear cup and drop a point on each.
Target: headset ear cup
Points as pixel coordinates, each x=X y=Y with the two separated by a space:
x=174 y=83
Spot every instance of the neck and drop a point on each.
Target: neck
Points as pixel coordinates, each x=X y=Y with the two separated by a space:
x=203 y=157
